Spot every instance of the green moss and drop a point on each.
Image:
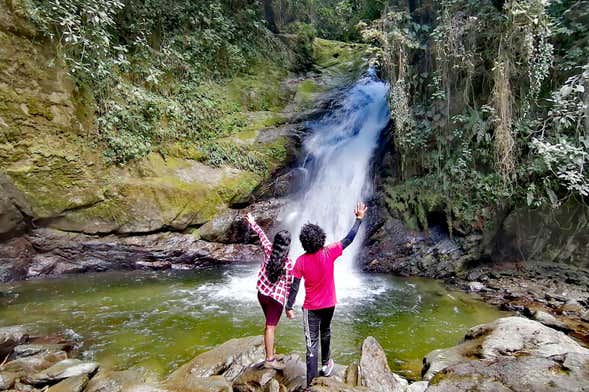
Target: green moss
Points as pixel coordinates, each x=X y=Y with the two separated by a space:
x=275 y=152
x=55 y=184
x=307 y=92
x=237 y=190
x=339 y=59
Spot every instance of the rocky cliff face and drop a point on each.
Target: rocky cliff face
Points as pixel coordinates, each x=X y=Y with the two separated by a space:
x=52 y=168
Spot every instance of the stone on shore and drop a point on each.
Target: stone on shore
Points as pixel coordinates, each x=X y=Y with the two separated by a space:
x=374 y=369
x=510 y=354
x=33 y=364
x=72 y=384
x=229 y=359
x=62 y=370
x=10 y=337
x=131 y=380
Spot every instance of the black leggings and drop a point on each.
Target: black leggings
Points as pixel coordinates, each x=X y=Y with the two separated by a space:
x=317 y=322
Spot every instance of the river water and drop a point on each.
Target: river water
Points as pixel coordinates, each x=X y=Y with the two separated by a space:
x=161 y=319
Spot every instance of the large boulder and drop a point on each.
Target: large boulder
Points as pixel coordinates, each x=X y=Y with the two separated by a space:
x=546 y=234
x=10 y=337
x=131 y=380
x=374 y=371
x=509 y=354
x=230 y=227
x=62 y=370
x=558 y=373
x=229 y=359
x=62 y=253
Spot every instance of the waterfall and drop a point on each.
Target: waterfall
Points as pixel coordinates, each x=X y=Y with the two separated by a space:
x=338 y=154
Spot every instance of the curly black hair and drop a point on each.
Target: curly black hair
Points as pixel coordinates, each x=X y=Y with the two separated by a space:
x=280 y=249
x=312 y=237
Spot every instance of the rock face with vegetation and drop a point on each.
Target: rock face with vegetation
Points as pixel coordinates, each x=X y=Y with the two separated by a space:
x=112 y=143
x=489 y=142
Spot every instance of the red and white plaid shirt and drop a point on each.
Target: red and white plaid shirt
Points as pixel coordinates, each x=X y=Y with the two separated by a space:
x=279 y=290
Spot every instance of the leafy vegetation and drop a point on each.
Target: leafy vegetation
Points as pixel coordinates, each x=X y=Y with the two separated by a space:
x=489 y=98
x=160 y=71
x=489 y=101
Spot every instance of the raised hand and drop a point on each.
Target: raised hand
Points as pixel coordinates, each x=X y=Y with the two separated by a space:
x=250 y=218
x=360 y=210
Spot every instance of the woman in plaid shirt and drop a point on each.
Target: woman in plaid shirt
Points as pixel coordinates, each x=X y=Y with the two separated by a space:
x=274 y=281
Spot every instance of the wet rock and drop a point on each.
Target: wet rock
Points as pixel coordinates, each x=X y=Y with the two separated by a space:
x=33 y=364
x=419 y=386
x=73 y=384
x=374 y=371
x=132 y=380
x=57 y=253
x=230 y=227
x=61 y=370
x=26 y=350
x=229 y=359
x=505 y=341
x=476 y=286
x=10 y=337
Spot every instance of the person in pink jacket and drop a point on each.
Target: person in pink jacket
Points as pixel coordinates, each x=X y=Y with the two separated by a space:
x=274 y=281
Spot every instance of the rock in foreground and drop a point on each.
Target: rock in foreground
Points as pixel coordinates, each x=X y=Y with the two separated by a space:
x=510 y=354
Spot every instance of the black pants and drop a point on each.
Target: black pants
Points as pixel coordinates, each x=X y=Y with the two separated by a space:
x=317 y=322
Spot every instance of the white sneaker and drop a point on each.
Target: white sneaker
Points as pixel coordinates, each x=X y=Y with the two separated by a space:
x=326 y=370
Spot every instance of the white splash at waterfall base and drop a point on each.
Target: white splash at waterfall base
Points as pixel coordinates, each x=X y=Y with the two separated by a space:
x=339 y=154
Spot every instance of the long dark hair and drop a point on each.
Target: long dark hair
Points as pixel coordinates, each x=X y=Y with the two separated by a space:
x=280 y=248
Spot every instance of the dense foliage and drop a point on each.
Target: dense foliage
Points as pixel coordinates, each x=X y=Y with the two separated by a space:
x=489 y=100
x=148 y=64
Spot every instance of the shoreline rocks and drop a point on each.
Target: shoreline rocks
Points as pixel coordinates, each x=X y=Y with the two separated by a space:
x=509 y=354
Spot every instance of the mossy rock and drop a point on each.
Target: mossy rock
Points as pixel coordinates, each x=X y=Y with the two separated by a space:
x=157 y=194
x=340 y=59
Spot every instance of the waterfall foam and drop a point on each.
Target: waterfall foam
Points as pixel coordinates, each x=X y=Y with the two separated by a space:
x=338 y=160
x=337 y=167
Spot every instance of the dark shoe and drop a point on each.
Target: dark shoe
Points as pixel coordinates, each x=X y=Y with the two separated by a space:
x=326 y=370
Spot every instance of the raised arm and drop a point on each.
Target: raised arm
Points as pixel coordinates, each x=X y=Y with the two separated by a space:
x=360 y=212
x=266 y=244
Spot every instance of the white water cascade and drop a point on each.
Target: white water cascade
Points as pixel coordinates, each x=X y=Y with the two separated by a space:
x=337 y=168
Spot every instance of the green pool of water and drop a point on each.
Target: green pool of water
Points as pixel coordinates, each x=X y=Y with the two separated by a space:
x=161 y=320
